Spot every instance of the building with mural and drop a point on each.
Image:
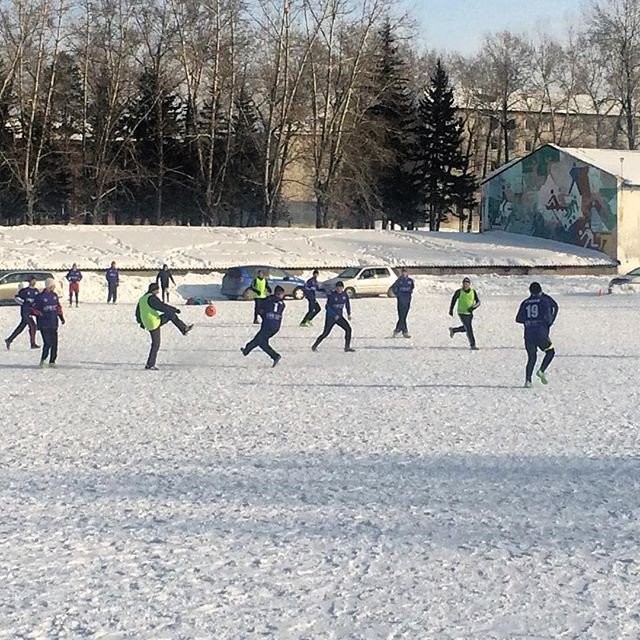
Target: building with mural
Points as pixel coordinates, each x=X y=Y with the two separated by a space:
x=585 y=197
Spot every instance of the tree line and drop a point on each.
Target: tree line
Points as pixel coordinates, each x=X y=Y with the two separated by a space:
x=190 y=112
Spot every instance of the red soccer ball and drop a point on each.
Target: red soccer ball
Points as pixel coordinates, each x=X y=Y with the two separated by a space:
x=210 y=310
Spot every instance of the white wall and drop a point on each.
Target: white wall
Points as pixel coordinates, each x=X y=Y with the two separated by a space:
x=629 y=228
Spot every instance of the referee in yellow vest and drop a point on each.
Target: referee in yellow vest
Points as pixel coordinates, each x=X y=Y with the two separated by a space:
x=260 y=287
x=467 y=301
x=151 y=314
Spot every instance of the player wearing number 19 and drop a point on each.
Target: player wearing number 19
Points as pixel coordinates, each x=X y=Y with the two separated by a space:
x=537 y=313
x=271 y=311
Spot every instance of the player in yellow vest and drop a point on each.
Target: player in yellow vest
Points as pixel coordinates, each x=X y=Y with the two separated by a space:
x=260 y=287
x=467 y=302
x=151 y=314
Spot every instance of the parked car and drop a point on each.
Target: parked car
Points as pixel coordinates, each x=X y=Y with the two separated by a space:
x=364 y=281
x=12 y=281
x=236 y=282
x=629 y=281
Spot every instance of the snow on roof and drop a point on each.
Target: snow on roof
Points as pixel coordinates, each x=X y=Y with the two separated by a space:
x=617 y=162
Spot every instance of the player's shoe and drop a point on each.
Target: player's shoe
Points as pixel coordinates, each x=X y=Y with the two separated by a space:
x=349 y=350
x=396 y=333
x=276 y=360
x=474 y=348
x=406 y=334
x=542 y=376
x=154 y=368
x=451 y=332
x=43 y=364
x=7 y=343
x=527 y=384
x=187 y=329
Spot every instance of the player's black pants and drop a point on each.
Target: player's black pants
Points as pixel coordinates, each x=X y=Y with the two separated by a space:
x=49 y=345
x=330 y=322
x=112 y=295
x=257 y=306
x=156 y=335
x=261 y=340
x=403 y=312
x=165 y=294
x=532 y=344
x=312 y=312
x=25 y=321
x=467 y=327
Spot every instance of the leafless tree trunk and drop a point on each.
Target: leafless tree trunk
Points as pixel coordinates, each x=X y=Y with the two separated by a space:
x=615 y=27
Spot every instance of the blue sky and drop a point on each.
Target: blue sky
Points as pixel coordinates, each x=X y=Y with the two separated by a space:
x=460 y=24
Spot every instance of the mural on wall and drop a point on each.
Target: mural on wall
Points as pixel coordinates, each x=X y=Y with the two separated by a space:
x=550 y=194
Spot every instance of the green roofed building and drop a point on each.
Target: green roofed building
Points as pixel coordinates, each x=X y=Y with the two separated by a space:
x=584 y=197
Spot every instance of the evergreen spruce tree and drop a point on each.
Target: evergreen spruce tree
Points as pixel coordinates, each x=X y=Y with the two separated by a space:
x=392 y=122
x=441 y=169
x=155 y=122
x=244 y=180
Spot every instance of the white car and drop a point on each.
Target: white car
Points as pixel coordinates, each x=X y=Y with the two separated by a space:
x=364 y=281
x=12 y=281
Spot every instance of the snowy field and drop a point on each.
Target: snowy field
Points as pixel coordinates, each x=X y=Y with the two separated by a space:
x=94 y=247
x=410 y=490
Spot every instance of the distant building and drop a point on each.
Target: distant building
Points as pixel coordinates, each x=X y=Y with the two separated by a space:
x=584 y=197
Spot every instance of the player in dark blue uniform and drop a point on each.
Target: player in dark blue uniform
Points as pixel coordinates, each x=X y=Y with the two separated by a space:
x=311 y=288
x=25 y=298
x=403 y=291
x=537 y=313
x=337 y=302
x=271 y=311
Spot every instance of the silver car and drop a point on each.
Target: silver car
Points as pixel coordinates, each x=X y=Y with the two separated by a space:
x=627 y=282
x=364 y=281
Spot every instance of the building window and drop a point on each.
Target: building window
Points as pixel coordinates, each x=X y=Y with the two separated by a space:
x=528 y=145
x=494 y=144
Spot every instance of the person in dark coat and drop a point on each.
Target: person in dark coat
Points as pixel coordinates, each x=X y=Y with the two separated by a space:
x=311 y=288
x=537 y=313
x=271 y=311
x=112 y=277
x=25 y=298
x=163 y=278
x=337 y=302
x=403 y=291
x=152 y=314
x=48 y=310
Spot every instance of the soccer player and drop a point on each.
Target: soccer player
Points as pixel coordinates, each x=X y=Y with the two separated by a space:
x=48 y=310
x=467 y=302
x=163 y=278
x=403 y=291
x=537 y=313
x=73 y=277
x=260 y=287
x=271 y=311
x=25 y=298
x=337 y=302
x=151 y=314
x=311 y=288
x=112 y=276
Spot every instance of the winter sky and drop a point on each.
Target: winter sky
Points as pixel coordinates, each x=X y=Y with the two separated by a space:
x=461 y=24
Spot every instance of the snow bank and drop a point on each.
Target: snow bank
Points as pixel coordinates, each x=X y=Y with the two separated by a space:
x=145 y=247
x=93 y=287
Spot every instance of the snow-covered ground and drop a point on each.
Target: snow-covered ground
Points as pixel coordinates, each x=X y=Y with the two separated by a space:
x=57 y=247
x=410 y=490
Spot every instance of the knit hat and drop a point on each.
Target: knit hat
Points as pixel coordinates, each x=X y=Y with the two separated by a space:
x=153 y=287
x=466 y=280
x=339 y=284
